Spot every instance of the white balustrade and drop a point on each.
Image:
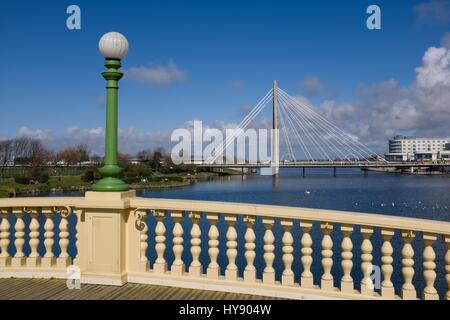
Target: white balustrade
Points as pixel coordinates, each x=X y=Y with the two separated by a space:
x=307 y=280
x=387 y=287
x=231 y=272
x=19 y=239
x=250 y=270
x=195 y=268
x=21 y=232
x=429 y=266
x=5 y=258
x=287 y=278
x=33 y=259
x=408 y=290
x=269 y=248
x=347 y=255
x=327 y=254
x=213 y=270
x=177 y=267
x=63 y=260
x=160 y=265
x=367 y=285
x=447 y=266
x=48 y=260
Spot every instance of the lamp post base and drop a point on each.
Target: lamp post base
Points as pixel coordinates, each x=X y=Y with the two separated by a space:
x=110 y=184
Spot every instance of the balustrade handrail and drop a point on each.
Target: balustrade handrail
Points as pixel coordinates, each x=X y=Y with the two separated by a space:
x=285 y=212
x=298 y=213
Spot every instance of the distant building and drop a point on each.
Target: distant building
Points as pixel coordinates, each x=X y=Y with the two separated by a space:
x=403 y=148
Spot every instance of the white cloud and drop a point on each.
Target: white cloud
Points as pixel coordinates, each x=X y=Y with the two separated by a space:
x=313 y=86
x=160 y=75
x=381 y=110
x=445 y=41
x=434 y=11
x=435 y=69
x=40 y=134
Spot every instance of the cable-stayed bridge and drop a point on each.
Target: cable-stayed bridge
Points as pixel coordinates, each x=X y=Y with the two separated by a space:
x=302 y=137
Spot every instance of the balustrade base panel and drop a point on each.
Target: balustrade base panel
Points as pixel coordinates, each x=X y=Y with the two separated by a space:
x=287 y=280
x=18 y=262
x=430 y=296
x=5 y=262
x=240 y=286
x=195 y=271
x=231 y=275
x=48 y=262
x=144 y=266
x=63 y=262
x=33 y=262
x=347 y=287
x=177 y=269
x=212 y=273
x=388 y=292
x=327 y=284
x=307 y=282
x=104 y=279
x=160 y=267
x=409 y=294
x=269 y=278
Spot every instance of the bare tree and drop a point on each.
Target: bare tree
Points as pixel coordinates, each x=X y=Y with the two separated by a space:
x=83 y=152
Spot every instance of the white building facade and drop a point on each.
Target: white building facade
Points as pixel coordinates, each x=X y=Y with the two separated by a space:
x=403 y=148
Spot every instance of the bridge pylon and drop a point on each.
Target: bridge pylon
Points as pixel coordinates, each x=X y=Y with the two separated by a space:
x=275 y=132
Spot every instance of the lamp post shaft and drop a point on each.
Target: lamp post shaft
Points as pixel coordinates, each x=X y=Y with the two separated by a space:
x=112 y=87
x=111 y=170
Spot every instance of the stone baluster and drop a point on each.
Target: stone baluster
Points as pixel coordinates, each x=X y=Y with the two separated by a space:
x=33 y=259
x=5 y=258
x=63 y=260
x=250 y=270
x=143 y=238
x=347 y=263
x=160 y=265
x=177 y=265
x=429 y=266
x=269 y=248
x=287 y=277
x=231 y=273
x=387 y=287
x=48 y=260
x=367 y=286
x=213 y=270
x=408 y=290
x=195 y=269
x=19 y=258
x=307 y=280
x=447 y=266
x=327 y=254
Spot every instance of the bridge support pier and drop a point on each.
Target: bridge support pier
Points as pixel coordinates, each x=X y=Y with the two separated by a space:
x=334 y=171
x=303 y=171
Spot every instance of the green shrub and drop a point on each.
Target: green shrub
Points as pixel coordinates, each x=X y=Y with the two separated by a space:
x=22 y=179
x=89 y=176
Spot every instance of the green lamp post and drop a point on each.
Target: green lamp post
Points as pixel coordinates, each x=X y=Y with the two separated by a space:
x=113 y=46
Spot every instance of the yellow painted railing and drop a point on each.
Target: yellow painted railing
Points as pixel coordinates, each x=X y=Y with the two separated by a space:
x=113 y=237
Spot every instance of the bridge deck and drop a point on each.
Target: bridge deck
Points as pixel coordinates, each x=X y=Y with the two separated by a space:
x=54 y=289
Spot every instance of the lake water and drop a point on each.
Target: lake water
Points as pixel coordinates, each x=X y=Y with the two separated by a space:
x=402 y=195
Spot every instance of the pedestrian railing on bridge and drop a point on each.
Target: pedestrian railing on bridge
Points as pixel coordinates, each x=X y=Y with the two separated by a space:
x=115 y=237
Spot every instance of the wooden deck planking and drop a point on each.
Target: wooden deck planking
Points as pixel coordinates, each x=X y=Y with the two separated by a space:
x=54 y=289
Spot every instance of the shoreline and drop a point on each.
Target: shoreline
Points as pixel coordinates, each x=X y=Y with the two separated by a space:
x=9 y=188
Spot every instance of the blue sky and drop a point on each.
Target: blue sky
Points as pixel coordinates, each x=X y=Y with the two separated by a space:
x=219 y=57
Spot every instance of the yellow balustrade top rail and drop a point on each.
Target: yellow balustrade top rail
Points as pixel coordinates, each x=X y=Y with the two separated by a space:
x=283 y=212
